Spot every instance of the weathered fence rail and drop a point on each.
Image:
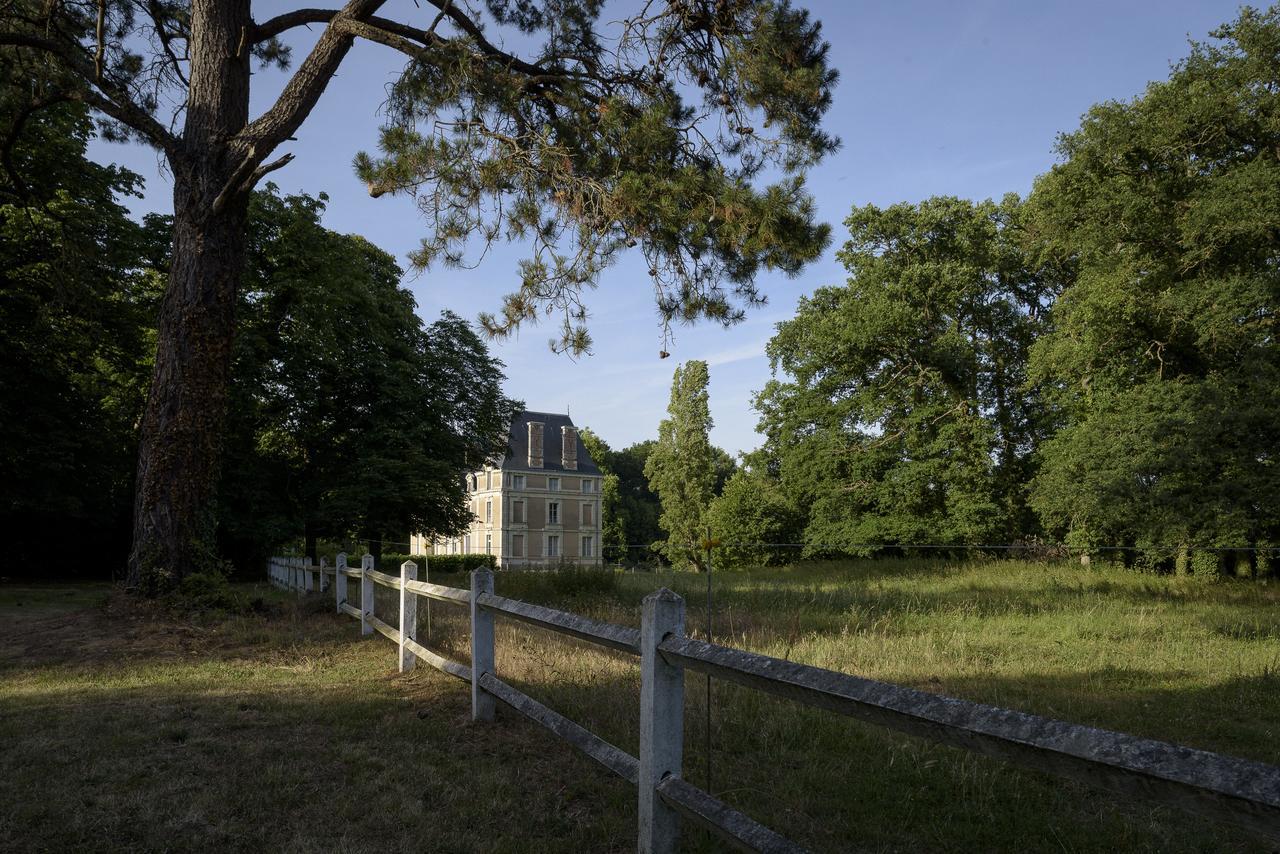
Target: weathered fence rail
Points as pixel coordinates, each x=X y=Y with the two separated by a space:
x=1224 y=788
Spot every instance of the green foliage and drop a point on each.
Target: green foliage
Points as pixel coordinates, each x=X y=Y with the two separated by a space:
x=76 y=349
x=613 y=521
x=1161 y=361
x=347 y=414
x=681 y=468
x=207 y=590
x=754 y=509
x=899 y=412
x=604 y=153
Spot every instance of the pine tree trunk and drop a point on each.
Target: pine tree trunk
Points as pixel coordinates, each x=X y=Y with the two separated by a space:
x=178 y=460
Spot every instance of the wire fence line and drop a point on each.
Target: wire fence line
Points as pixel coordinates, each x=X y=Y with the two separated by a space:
x=353 y=545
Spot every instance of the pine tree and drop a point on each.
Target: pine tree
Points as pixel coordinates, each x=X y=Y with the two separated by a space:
x=653 y=131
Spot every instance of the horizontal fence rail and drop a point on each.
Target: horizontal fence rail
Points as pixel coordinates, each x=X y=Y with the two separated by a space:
x=1239 y=791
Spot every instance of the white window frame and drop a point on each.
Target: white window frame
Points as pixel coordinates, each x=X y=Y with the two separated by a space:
x=488 y=544
x=588 y=486
x=553 y=545
x=518 y=481
x=588 y=545
x=553 y=512
x=488 y=511
x=553 y=484
x=466 y=544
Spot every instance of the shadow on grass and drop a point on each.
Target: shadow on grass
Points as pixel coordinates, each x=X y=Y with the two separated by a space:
x=290 y=733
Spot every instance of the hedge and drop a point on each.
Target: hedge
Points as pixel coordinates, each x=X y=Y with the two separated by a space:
x=441 y=563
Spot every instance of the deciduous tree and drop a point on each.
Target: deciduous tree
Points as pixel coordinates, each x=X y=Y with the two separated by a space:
x=899 y=413
x=681 y=468
x=1162 y=358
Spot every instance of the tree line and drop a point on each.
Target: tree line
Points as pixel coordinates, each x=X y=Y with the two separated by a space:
x=1095 y=364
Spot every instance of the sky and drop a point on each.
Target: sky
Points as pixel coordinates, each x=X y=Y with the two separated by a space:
x=934 y=98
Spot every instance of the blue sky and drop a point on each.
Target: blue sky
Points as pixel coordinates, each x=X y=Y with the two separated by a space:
x=935 y=98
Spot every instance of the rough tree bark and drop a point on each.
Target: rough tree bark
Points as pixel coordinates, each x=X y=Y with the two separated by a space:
x=182 y=427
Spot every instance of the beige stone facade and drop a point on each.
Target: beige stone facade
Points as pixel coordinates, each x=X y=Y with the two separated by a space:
x=533 y=509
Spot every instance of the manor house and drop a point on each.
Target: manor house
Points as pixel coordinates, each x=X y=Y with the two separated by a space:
x=539 y=506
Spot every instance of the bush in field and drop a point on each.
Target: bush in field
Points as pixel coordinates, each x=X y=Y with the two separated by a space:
x=753 y=510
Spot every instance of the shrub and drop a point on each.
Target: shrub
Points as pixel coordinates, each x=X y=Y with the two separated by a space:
x=438 y=563
x=207 y=591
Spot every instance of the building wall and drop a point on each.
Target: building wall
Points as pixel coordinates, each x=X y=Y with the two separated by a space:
x=536 y=496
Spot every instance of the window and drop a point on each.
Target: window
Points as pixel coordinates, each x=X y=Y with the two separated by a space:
x=517 y=512
x=553 y=512
x=588 y=485
x=587 y=509
x=553 y=484
x=488 y=479
x=488 y=512
x=517 y=545
x=553 y=546
x=588 y=546
x=517 y=481
x=488 y=544
x=466 y=544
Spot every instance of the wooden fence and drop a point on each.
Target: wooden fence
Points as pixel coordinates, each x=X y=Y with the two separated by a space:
x=1224 y=788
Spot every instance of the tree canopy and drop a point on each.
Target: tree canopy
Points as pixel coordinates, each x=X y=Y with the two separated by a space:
x=75 y=302
x=349 y=416
x=899 y=413
x=1161 y=359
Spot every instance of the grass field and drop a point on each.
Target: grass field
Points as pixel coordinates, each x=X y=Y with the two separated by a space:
x=125 y=727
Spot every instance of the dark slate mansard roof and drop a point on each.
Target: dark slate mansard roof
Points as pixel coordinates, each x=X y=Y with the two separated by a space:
x=517 y=458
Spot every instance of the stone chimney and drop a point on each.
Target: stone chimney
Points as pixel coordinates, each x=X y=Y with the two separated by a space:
x=569 y=448
x=535 y=444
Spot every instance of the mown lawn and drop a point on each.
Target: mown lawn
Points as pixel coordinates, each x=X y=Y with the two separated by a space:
x=126 y=728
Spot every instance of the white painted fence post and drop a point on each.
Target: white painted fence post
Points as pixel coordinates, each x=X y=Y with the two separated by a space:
x=324 y=579
x=426 y=576
x=340 y=580
x=408 y=615
x=661 y=721
x=481 y=646
x=366 y=595
x=299 y=583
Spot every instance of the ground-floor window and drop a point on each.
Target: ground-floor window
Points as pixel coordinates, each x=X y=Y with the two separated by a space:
x=517 y=545
x=488 y=544
x=588 y=546
x=553 y=546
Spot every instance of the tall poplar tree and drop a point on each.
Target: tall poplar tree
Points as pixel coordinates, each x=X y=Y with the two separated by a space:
x=681 y=468
x=651 y=131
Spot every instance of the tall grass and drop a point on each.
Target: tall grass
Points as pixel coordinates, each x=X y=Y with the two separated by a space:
x=1185 y=659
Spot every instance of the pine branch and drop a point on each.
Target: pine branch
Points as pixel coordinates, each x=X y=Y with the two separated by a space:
x=100 y=93
x=307 y=84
